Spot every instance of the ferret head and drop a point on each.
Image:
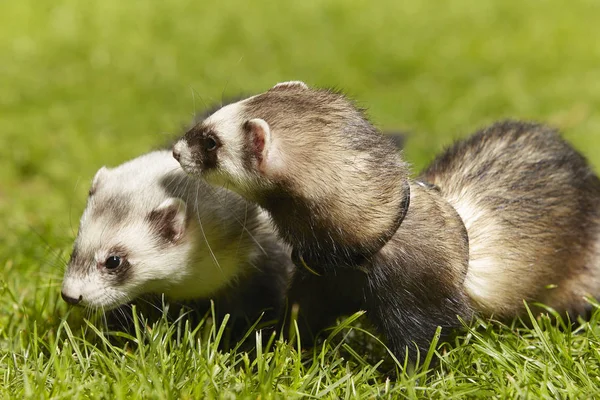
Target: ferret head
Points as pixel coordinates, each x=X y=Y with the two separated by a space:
x=237 y=146
x=132 y=235
x=311 y=158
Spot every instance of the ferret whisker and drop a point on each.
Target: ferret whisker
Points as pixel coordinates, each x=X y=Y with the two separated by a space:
x=182 y=187
x=176 y=175
x=212 y=254
x=49 y=285
x=53 y=263
x=49 y=275
x=104 y=320
x=189 y=185
x=56 y=264
x=228 y=79
x=256 y=267
x=195 y=92
x=243 y=224
x=193 y=103
x=71 y=206
x=125 y=312
x=223 y=91
x=151 y=304
x=93 y=317
x=241 y=236
x=86 y=326
x=50 y=249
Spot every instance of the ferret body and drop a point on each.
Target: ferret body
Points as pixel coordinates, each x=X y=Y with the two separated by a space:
x=531 y=207
x=508 y=215
x=339 y=194
x=149 y=228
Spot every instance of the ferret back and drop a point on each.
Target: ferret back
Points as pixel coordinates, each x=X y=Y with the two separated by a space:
x=530 y=203
x=345 y=179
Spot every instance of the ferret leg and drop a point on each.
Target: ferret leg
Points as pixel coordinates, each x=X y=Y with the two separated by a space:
x=408 y=315
x=319 y=300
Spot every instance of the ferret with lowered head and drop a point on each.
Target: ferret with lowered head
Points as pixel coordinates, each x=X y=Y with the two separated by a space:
x=510 y=214
x=149 y=228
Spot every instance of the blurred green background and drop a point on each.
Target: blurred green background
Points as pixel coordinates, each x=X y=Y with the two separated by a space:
x=88 y=83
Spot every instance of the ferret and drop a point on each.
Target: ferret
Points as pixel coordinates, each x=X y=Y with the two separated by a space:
x=149 y=228
x=508 y=215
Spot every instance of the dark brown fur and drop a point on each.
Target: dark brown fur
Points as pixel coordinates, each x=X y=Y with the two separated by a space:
x=410 y=287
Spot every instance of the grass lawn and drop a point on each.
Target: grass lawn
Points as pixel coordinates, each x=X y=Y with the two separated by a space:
x=83 y=84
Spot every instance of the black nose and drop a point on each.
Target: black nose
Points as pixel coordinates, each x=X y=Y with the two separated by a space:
x=71 y=300
x=176 y=154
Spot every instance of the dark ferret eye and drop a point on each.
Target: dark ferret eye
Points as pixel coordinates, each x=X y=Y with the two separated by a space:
x=211 y=143
x=112 y=262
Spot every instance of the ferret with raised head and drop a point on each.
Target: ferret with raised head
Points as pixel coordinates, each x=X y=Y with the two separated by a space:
x=149 y=228
x=508 y=215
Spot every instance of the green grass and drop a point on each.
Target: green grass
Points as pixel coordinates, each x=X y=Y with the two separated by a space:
x=84 y=84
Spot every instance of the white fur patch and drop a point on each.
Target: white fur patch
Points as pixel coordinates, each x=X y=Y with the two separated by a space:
x=228 y=122
x=467 y=209
x=481 y=282
x=487 y=275
x=185 y=269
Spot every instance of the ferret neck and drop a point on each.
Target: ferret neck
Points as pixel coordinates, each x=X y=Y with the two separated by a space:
x=314 y=250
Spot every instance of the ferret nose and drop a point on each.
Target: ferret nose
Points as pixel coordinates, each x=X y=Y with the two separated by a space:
x=176 y=154
x=71 y=300
x=177 y=150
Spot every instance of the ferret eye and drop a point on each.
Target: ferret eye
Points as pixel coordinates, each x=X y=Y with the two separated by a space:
x=112 y=262
x=211 y=143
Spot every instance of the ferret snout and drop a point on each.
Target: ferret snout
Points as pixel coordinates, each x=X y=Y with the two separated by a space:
x=182 y=153
x=71 y=293
x=179 y=148
x=176 y=153
x=74 y=292
x=71 y=300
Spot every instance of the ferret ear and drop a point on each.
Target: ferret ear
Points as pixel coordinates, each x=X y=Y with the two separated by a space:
x=263 y=146
x=290 y=85
x=169 y=219
x=102 y=172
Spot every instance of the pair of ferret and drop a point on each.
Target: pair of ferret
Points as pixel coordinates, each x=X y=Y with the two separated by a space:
x=507 y=215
